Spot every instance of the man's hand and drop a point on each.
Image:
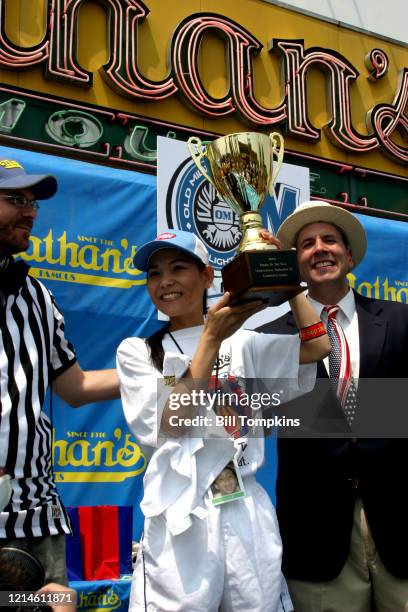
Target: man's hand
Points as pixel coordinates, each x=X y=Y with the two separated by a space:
x=270 y=238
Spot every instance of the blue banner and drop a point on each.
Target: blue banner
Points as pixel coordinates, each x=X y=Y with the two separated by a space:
x=102 y=595
x=383 y=273
x=82 y=248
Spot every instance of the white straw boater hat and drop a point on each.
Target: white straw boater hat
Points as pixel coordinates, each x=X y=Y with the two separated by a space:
x=317 y=211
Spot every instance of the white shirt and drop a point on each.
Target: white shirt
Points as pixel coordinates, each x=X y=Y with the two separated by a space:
x=347 y=318
x=181 y=469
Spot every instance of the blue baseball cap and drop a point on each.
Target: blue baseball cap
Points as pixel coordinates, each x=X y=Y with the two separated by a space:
x=171 y=239
x=13 y=176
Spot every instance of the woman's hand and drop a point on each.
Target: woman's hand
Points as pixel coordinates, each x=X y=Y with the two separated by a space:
x=224 y=319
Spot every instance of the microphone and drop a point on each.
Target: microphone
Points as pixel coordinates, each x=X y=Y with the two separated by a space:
x=20 y=570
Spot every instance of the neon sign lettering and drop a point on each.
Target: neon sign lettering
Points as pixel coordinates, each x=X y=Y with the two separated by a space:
x=58 y=53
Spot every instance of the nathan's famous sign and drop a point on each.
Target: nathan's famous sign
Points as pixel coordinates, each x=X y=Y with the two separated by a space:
x=58 y=54
x=83 y=259
x=93 y=456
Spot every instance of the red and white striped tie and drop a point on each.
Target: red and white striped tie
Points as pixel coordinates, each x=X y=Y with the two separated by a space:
x=340 y=365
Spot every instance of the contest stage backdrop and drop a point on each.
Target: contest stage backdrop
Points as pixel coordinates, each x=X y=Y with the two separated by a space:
x=82 y=247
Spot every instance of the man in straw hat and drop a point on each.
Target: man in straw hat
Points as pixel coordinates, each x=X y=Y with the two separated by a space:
x=341 y=500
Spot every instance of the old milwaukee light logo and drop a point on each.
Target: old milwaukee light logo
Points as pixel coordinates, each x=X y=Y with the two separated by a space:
x=59 y=56
x=193 y=205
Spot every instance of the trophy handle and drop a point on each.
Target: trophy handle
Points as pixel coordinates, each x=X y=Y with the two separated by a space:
x=278 y=150
x=194 y=146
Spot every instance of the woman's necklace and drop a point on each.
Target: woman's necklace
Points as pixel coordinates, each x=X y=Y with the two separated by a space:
x=175 y=342
x=233 y=429
x=217 y=361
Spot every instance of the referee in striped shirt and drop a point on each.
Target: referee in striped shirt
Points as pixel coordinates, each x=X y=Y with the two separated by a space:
x=34 y=353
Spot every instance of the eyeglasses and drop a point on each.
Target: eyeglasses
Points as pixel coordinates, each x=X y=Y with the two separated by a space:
x=20 y=201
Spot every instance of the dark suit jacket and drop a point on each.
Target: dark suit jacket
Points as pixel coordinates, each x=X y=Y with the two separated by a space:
x=319 y=476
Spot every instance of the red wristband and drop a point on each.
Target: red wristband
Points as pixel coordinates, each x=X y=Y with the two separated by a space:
x=312 y=331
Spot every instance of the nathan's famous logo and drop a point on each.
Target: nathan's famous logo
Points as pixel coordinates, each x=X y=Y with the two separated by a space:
x=90 y=456
x=89 y=600
x=381 y=289
x=86 y=259
x=194 y=205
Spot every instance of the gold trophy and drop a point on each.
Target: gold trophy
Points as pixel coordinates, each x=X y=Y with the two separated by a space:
x=242 y=172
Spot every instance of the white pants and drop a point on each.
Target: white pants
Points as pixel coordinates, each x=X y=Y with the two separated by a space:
x=229 y=561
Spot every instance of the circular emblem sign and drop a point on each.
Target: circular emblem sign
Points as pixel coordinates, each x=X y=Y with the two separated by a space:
x=194 y=205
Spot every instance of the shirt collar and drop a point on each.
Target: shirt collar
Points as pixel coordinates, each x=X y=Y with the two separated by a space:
x=347 y=305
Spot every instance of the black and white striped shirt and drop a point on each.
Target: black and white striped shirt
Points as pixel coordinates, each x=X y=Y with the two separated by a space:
x=33 y=352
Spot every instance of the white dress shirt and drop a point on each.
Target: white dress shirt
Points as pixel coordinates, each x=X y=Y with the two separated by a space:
x=347 y=318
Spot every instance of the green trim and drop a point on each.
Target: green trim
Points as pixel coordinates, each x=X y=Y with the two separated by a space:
x=104 y=135
x=226 y=498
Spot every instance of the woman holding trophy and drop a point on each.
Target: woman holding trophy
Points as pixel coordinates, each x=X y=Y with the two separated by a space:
x=197 y=554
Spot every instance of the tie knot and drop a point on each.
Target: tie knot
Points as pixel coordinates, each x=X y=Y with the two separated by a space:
x=331 y=311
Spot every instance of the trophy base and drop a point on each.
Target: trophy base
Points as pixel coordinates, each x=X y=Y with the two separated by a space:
x=269 y=275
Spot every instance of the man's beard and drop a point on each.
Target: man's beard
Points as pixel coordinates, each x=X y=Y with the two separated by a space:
x=11 y=247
